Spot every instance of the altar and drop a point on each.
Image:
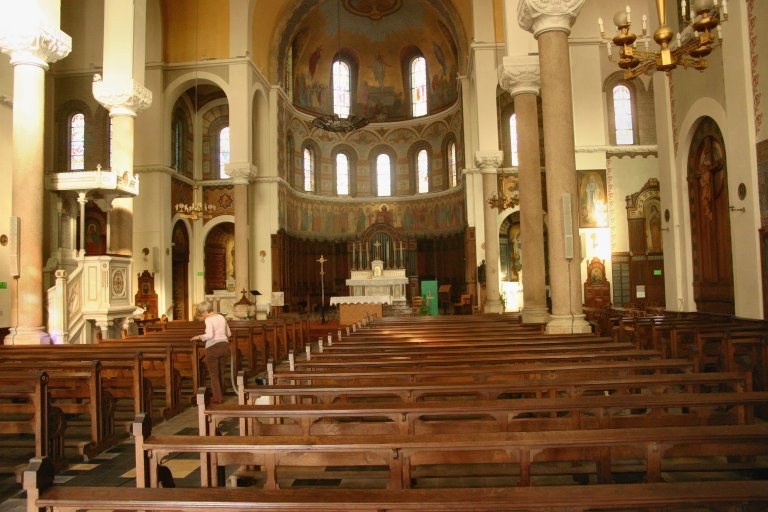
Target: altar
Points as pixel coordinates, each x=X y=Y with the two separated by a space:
x=378 y=281
x=355 y=309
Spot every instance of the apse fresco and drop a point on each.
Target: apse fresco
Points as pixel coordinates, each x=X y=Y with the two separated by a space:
x=378 y=36
x=325 y=219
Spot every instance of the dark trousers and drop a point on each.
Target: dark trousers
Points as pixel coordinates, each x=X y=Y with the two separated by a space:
x=215 y=359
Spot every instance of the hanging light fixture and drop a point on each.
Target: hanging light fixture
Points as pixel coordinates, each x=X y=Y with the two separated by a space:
x=689 y=50
x=335 y=122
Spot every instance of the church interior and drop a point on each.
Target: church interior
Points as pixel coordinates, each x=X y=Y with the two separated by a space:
x=501 y=172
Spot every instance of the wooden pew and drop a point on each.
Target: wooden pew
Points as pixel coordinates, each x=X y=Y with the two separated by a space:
x=43 y=495
x=688 y=449
x=472 y=416
x=532 y=388
x=24 y=409
x=477 y=373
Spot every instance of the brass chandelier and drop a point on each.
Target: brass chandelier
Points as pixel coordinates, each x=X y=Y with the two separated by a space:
x=689 y=49
x=198 y=209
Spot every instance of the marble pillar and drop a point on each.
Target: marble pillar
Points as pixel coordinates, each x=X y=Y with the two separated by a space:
x=489 y=162
x=520 y=77
x=31 y=43
x=550 y=23
x=241 y=178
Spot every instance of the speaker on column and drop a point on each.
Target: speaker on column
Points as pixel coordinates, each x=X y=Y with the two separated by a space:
x=13 y=246
x=567 y=226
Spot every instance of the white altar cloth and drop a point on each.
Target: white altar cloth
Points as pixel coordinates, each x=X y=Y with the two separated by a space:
x=362 y=299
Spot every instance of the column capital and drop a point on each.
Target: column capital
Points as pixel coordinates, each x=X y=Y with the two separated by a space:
x=520 y=75
x=33 y=45
x=488 y=160
x=539 y=16
x=241 y=173
x=123 y=97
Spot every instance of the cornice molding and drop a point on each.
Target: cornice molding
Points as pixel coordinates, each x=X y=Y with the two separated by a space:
x=628 y=150
x=366 y=199
x=123 y=97
x=520 y=75
x=539 y=16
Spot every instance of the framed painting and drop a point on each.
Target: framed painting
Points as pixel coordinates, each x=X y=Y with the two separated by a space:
x=593 y=197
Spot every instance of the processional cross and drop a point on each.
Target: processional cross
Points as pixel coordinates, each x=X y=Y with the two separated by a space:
x=322 y=261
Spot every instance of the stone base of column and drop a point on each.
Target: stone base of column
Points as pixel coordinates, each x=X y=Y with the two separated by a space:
x=567 y=324
x=28 y=336
x=535 y=315
x=493 y=306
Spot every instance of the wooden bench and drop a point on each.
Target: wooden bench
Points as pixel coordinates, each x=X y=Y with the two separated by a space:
x=472 y=416
x=564 y=385
x=646 y=451
x=24 y=409
x=477 y=373
x=43 y=495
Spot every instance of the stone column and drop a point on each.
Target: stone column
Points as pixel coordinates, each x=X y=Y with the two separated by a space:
x=241 y=177
x=32 y=39
x=550 y=23
x=520 y=77
x=122 y=93
x=489 y=163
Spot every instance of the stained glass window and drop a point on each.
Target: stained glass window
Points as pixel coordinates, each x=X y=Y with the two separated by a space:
x=342 y=174
x=341 y=89
x=309 y=171
x=422 y=166
x=77 y=142
x=453 y=172
x=513 y=140
x=419 y=87
x=383 y=176
x=223 y=151
x=622 y=112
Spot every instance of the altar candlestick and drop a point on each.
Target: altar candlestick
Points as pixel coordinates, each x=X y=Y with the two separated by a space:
x=402 y=261
x=367 y=254
x=386 y=253
x=353 y=256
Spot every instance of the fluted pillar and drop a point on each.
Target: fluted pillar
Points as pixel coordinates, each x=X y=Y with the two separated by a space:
x=489 y=162
x=520 y=77
x=32 y=41
x=121 y=91
x=550 y=23
x=241 y=177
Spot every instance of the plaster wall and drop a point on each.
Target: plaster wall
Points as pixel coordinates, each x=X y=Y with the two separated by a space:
x=83 y=20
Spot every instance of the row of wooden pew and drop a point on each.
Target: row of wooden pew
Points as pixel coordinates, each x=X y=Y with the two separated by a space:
x=414 y=402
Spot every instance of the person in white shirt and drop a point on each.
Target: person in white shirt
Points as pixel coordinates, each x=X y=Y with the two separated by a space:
x=216 y=338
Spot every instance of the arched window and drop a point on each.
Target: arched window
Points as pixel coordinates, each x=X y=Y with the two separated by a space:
x=422 y=171
x=418 y=87
x=513 y=139
x=223 y=151
x=383 y=175
x=622 y=114
x=341 y=88
x=77 y=142
x=453 y=172
x=342 y=174
x=309 y=170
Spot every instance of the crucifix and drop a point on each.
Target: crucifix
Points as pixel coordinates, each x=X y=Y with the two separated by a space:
x=322 y=261
x=377 y=246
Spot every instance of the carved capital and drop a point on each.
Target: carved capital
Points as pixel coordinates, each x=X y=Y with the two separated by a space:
x=520 y=75
x=121 y=98
x=32 y=44
x=539 y=16
x=240 y=174
x=488 y=160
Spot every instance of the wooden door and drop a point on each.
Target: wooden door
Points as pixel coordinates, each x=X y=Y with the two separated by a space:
x=710 y=220
x=180 y=272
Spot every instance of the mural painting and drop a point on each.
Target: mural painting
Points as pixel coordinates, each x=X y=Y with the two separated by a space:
x=331 y=219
